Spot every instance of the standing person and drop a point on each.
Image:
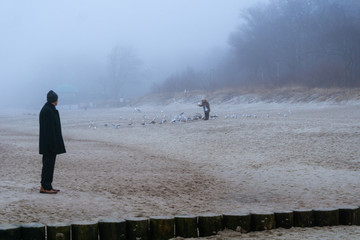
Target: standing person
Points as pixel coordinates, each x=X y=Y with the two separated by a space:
x=206 y=105
x=51 y=141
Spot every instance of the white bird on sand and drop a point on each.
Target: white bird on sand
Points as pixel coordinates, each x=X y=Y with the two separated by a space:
x=116 y=126
x=177 y=118
x=92 y=125
x=183 y=119
x=152 y=121
x=163 y=120
x=136 y=110
x=131 y=122
x=197 y=116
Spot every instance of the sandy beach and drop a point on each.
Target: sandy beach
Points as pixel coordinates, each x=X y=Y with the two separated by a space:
x=261 y=156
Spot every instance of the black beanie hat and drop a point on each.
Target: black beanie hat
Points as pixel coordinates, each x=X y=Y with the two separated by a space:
x=52 y=96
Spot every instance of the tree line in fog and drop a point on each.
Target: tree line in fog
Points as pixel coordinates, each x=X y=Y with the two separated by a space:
x=311 y=43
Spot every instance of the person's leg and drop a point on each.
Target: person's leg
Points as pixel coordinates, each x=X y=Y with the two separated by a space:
x=47 y=172
x=206 y=116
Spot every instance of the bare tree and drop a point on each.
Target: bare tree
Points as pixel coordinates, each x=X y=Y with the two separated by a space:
x=308 y=42
x=124 y=68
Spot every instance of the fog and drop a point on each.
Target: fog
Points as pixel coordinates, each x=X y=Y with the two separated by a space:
x=67 y=45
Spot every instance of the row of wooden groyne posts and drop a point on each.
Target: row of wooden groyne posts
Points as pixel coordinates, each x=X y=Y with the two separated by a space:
x=185 y=226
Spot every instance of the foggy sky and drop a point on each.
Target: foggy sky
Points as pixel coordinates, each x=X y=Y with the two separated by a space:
x=46 y=43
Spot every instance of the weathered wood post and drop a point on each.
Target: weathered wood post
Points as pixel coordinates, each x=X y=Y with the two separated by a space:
x=210 y=224
x=137 y=228
x=326 y=217
x=349 y=215
x=84 y=231
x=112 y=229
x=186 y=226
x=162 y=227
x=58 y=231
x=284 y=219
x=33 y=231
x=303 y=218
x=10 y=232
x=261 y=221
x=240 y=222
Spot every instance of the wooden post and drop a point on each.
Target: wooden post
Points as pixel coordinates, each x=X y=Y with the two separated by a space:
x=303 y=218
x=33 y=231
x=112 y=229
x=58 y=231
x=349 y=215
x=210 y=224
x=137 y=228
x=326 y=217
x=284 y=219
x=84 y=231
x=240 y=222
x=10 y=232
x=261 y=221
x=186 y=226
x=162 y=227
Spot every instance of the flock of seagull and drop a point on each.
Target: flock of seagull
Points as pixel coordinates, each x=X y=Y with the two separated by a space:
x=180 y=118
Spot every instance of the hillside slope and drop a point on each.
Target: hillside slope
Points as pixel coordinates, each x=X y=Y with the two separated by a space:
x=235 y=96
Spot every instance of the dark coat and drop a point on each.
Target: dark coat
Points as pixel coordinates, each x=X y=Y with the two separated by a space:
x=205 y=105
x=50 y=137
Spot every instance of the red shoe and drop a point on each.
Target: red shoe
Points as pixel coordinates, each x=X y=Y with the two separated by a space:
x=52 y=191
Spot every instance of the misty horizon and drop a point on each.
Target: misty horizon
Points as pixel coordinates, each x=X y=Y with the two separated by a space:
x=51 y=45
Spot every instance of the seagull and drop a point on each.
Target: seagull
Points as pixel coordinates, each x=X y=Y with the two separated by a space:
x=175 y=120
x=92 y=125
x=183 y=119
x=116 y=126
x=163 y=120
x=136 y=110
x=131 y=123
x=152 y=121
